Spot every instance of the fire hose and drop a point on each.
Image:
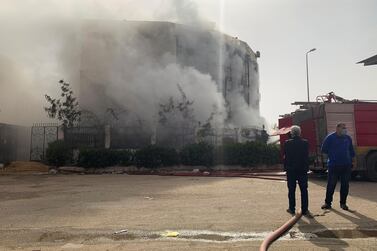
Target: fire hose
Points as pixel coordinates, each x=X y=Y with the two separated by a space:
x=279 y=232
x=233 y=175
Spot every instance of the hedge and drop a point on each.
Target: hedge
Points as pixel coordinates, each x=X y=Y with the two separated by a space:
x=153 y=156
x=105 y=157
x=198 y=154
x=58 y=153
x=248 y=154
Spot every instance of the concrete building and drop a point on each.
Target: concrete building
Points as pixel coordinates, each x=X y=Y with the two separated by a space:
x=230 y=62
x=115 y=54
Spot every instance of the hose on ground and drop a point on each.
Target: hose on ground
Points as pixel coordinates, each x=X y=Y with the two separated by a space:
x=279 y=232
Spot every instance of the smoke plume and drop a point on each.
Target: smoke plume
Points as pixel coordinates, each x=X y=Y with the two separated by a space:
x=43 y=43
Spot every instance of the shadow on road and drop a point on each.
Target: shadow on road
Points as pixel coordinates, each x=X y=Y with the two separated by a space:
x=308 y=224
x=362 y=221
x=358 y=188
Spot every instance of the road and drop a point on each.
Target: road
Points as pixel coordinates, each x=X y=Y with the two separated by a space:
x=89 y=212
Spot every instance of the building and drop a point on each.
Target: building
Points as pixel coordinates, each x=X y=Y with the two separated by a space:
x=369 y=61
x=118 y=57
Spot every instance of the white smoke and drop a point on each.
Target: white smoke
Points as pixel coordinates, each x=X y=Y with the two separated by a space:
x=42 y=43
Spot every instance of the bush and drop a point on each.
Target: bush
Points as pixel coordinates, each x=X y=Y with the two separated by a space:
x=155 y=156
x=104 y=157
x=200 y=154
x=229 y=154
x=248 y=154
x=125 y=157
x=272 y=156
x=58 y=153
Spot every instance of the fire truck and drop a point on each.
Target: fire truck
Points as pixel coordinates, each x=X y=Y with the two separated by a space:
x=318 y=119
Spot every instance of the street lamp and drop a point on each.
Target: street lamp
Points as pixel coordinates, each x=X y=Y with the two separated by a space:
x=307 y=73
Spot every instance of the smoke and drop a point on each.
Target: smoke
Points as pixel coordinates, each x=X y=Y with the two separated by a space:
x=33 y=56
x=43 y=42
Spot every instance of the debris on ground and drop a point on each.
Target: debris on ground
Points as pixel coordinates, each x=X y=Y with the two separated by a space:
x=121 y=231
x=171 y=234
x=52 y=171
x=71 y=169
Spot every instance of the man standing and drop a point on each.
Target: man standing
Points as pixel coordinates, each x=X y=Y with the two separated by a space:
x=296 y=165
x=339 y=149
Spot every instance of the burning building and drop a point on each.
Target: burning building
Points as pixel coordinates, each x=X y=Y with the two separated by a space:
x=131 y=72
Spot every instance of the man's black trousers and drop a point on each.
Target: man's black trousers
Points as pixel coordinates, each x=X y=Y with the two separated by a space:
x=334 y=174
x=302 y=179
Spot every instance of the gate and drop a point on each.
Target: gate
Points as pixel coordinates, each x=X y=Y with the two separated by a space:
x=41 y=135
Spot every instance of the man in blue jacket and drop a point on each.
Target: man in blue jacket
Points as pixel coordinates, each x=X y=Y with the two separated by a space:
x=339 y=149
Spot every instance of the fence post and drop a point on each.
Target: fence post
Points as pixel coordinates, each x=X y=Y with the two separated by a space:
x=60 y=132
x=154 y=136
x=107 y=137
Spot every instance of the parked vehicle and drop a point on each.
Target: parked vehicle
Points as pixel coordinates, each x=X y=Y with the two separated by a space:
x=318 y=119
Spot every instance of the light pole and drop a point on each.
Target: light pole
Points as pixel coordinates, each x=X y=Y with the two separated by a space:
x=307 y=73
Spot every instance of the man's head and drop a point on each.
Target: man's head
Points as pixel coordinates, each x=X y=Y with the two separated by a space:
x=341 y=129
x=295 y=131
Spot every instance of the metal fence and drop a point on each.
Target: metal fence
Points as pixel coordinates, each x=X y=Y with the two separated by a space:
x=78 y=137
x=129 y=137
x=123 y=137
x=175 y=137
x=41 y=135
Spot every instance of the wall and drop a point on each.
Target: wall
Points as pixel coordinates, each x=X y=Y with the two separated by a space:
x=14 y=143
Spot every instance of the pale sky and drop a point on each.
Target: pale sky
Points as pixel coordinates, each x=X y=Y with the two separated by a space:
x=343 y=31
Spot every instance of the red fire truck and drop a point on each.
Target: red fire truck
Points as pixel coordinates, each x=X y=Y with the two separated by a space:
x=318 y=119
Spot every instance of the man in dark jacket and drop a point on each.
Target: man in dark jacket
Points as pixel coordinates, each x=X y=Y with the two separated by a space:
x=339 y=149
x=296 y=165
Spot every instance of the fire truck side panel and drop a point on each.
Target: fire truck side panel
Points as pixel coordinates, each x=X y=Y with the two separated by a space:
x=341 y=113
x=309 y=133
x=366 y=125
x=284 y=122
x=366 y=133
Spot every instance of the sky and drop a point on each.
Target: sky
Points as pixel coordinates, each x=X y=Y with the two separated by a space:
x=343 y=32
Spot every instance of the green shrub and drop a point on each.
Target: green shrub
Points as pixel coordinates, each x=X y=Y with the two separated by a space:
x=125 y=157
x=200 y=154
x=229 y=154
x=104 y=157
x=58 y=153
x=153 y=156
x=272 y=156
x=248 y=154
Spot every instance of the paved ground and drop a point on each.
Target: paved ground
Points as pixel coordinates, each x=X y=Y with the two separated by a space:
x=82 y=212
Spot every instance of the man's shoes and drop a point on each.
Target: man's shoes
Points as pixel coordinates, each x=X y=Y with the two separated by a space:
x=290 y=211
x=326 y=206
x=307 y=214
x=344 y=207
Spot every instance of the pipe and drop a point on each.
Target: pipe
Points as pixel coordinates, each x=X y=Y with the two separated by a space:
x=232 y=175
x=279 y=232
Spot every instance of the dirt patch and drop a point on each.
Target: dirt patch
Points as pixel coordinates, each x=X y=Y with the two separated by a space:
x=18 y=195
x=25 y=166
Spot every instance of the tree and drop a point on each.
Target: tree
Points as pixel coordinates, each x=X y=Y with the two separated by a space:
x=65 y=108
x=175 y=110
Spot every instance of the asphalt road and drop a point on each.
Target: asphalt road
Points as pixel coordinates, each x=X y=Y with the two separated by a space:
x=89 y=212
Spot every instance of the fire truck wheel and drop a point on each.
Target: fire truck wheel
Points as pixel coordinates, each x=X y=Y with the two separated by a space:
x=372 y=167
